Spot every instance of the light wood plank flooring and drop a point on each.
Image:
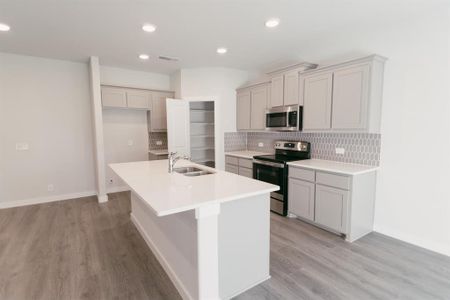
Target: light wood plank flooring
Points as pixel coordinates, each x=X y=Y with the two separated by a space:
x=78 y=249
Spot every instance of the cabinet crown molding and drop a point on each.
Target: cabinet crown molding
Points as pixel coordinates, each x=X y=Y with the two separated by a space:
x=300 y=67
x=370 y=58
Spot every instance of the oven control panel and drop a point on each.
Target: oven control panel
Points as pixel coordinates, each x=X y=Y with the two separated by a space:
x=295 y=146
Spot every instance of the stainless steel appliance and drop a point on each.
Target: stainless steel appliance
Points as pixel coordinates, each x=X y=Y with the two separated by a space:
x=273 y=169
x=284 y=118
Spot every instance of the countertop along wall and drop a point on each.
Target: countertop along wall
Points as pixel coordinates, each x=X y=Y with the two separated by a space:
x=46 y=104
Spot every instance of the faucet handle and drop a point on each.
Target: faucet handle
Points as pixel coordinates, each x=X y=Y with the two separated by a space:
x=172 y=154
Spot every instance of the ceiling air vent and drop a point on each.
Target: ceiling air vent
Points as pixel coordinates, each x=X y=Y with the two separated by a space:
x=168 y=58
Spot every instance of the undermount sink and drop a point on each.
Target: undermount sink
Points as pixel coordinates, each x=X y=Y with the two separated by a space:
x=192 y=171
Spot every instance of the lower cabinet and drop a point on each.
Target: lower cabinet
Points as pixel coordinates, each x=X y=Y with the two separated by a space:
x=331 y=207
x=340 y=203
x=240 y=166
x=301 y=195
x=232 y=168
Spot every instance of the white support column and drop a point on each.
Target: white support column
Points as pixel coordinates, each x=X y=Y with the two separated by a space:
x=208 y=254
x=97 y=119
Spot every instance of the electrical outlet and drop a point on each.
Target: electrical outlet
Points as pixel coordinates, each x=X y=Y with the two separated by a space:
x=22 y=146
x=130 y=142
x=260 y=144
x=158 y=143
x=50 y=187
x=340 y=151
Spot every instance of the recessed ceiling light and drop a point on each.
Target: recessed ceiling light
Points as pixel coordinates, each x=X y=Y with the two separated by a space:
x=4 y=27
x=144 y=56
x=271 y=23
x=222 y=50
x=149 y=28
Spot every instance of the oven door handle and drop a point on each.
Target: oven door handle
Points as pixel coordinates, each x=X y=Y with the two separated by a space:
x=268 y=163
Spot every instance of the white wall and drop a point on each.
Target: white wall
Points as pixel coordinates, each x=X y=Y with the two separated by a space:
x=46 y=104
x=220 y=83
x=126 y=139
x=413 y=198
x=136 y=79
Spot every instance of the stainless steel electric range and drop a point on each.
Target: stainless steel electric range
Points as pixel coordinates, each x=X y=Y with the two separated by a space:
x=273 y=169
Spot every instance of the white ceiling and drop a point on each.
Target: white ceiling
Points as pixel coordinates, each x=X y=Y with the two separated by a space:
x=188 y=29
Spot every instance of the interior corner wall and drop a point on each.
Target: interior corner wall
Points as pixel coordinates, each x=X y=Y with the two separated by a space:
x=44 y=103
x=412 y=202
x=220 y=83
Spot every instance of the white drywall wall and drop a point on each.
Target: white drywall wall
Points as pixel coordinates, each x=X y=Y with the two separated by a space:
x=46 y=104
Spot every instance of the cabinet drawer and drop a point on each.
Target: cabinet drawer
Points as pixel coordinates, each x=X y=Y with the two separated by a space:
x=231 y=160
x=339 y=181
x=304 y=174
x=246 y=172
x=246 y=163
x=232 y=168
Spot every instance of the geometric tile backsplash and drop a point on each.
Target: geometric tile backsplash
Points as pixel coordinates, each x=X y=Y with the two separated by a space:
x=153 y=137
x=360 y=148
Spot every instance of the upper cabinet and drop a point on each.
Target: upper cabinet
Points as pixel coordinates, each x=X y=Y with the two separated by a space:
x=317 y=101
x=251 y=105
x=114 y=97
x=139 y=99
x=153 y=101
x=243 y=107
x=158 y=114
x=343 y=97
x=277 y=94
x=284 y=85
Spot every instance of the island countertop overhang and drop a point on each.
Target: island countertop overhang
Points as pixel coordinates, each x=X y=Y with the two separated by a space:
x=169 y=193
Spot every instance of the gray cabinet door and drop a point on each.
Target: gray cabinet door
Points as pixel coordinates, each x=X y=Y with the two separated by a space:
x=138 y=99
x=291 y=88
x=114 y=97
x=259 y=98
x=246 y=172
x=277 y=91
x=350 y=97
x=232 y=168
x=331 y=208
x=243 y=110
x=317 y=101
x=301 y=198
x=159 y=111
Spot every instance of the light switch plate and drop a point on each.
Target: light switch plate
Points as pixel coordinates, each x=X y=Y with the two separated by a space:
x=22 y=146
x=260 y=144
x=158 y=143
x=130 y=142
x=50 y=187
x=340 y=150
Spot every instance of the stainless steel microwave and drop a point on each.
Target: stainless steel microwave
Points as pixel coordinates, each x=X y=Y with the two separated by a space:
x=284 y=118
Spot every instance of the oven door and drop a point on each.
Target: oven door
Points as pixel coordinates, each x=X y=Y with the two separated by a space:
x=274 y=173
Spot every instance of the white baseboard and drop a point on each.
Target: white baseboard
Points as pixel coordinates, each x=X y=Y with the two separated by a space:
x=435 y=247
x=249 y=287
x=117 y=189
x=39 y=200
x=166 y=266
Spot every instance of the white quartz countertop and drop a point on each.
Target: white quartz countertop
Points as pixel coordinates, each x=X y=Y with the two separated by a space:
x=169 y=193
x=159 y=152
x=245 y=153
x=333 y=166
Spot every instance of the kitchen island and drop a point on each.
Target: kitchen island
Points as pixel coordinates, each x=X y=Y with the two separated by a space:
x=211 y=233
